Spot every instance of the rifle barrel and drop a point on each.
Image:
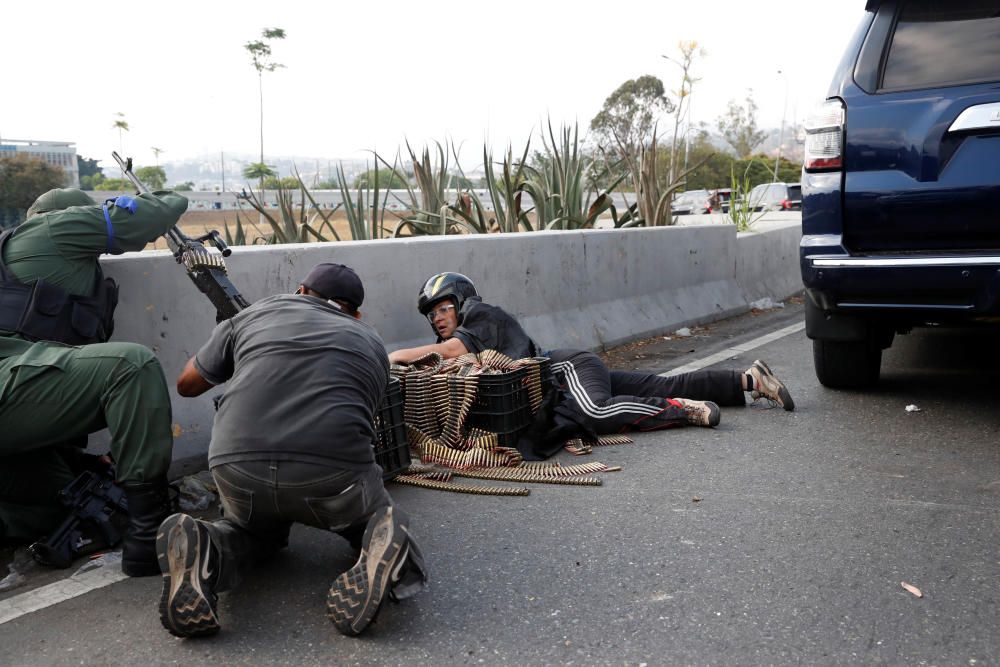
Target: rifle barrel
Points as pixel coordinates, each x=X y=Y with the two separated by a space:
x=126 y=166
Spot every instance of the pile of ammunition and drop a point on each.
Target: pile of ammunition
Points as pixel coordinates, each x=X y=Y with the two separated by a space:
x=438 y=396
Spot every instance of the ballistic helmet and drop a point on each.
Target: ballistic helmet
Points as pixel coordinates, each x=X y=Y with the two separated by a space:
x=442 y=286
x=59 y=199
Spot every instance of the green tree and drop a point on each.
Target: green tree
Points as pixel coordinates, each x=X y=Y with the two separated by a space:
x=152 y=177
x=738 y=126
x=115 y=184
x=260 y=57
x=287 y=183
x=387 y=179
x=87 y=166
x=23 y=178
x=258 y=170
x=89 y=172
x=156 y=154
x=696 y=148
x=718 y=169
x=186 y=186
x=92 y=182
x=629 y=115
x=788 y=171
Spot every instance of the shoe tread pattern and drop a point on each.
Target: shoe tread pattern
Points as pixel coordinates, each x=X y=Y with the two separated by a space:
x=185 y=610
x=356 y=596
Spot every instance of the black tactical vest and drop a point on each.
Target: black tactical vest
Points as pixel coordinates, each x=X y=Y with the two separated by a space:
x=42 y=311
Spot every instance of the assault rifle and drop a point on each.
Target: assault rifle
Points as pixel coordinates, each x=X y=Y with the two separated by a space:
x=206 y=270
x=98 y=511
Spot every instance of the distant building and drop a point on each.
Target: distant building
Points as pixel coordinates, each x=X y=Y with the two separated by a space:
x=60 y=154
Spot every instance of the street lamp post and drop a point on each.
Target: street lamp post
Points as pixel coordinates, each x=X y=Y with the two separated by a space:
x=781 y=133
x=687 y=143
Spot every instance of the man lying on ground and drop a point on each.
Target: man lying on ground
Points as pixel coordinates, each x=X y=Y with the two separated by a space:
x=600 y=400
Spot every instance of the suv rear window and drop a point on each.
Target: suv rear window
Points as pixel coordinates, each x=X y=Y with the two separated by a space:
x=944 y=44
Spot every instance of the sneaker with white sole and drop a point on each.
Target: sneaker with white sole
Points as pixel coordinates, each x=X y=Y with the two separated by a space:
x=700 y=413
x=769 y=387
x=189 y=564
x=356 y=596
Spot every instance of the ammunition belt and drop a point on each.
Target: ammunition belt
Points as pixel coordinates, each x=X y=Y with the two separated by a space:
x=433 y=451
x=448 y=485
x=579 y=447
x=439 y=395
x=519 y=475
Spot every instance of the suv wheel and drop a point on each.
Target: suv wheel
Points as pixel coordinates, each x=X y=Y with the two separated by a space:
x=847 y=365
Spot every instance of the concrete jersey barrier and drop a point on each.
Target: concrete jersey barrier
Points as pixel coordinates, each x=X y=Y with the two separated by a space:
x=585 y=289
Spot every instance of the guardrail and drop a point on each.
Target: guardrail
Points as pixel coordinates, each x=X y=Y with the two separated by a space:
x=583 y=289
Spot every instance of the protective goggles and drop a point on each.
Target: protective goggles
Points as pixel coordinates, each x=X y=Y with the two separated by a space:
x=441 y=310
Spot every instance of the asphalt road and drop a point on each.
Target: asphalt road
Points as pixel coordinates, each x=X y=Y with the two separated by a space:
x=776 y=538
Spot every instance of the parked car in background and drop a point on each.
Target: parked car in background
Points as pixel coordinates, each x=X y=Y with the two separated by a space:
x=794 y=200
x=901 y=185
x=719 y=199
x=776 y=197
x=691 y=202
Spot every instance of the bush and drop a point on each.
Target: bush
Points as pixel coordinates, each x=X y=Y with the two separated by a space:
x=24 y=178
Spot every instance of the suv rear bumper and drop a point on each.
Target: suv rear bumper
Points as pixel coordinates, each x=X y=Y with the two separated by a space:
x=909 y=288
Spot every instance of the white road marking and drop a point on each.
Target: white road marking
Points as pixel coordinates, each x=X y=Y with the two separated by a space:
x=59 y=591
x=80 y=584
x=735 y=351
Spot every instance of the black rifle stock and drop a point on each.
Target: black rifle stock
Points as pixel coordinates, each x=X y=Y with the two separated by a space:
x=96 y=504
x=206 y=270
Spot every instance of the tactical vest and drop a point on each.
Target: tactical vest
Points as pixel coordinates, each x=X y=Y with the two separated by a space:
x=42 y=311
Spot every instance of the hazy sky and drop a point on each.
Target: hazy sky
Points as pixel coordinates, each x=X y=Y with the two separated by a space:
x=364 y=75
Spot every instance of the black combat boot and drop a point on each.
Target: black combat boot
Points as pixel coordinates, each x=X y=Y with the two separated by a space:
x=148 y=506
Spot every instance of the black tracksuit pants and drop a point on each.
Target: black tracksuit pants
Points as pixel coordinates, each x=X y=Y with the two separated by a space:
x=615 y=401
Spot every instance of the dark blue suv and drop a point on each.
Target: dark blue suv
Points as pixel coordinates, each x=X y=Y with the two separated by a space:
x=901 y=184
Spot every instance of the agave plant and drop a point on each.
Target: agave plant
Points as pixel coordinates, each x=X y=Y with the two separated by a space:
x=237 y=237
x=428 y=201
x=365 y=215
x=561 y=187
x=505 y=193
x=653 y=196
x=295 y=223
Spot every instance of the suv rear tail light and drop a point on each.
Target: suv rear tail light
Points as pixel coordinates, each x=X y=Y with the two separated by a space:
x=825 y=138
x=786 y=205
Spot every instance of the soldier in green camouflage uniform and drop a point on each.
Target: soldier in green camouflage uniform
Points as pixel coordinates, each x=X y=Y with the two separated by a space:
x=51 y=392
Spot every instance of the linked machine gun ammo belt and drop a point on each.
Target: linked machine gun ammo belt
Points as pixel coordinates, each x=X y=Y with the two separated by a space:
x=207 y=270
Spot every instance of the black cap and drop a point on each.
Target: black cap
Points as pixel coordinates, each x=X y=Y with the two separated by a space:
x=336 y=281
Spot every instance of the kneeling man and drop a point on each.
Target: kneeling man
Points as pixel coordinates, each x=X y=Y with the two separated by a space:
x=291 y=443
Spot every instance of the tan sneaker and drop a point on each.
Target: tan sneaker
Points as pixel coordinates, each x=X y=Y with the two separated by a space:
x=357 y=595
x=700 y=413
x=189 y=563
x=767 y=386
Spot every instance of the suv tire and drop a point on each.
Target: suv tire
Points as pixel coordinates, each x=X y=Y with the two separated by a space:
x=847 y=364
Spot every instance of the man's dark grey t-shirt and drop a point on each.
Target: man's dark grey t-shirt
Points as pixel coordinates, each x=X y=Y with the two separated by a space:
x=304 y=383
x=486 y=327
